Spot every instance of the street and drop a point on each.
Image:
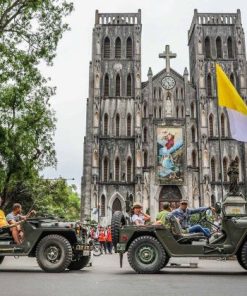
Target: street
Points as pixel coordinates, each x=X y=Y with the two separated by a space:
x=212 y=277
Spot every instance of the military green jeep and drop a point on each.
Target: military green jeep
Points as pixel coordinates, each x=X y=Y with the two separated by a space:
x=150 y=247
x=56 y=245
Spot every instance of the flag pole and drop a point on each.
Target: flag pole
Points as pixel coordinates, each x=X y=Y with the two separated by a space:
x=219 y=133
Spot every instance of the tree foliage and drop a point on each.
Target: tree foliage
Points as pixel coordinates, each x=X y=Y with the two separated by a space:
x=29 y=34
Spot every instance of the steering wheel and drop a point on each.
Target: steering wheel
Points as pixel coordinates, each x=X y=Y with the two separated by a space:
x=204 y=219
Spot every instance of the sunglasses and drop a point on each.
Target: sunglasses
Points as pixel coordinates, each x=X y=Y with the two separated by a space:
x=183 y=203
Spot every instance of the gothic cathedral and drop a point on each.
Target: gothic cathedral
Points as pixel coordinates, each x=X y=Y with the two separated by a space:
x=163 y=139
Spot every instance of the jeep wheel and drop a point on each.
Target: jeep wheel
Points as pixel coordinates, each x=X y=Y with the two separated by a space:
x=117 y=221
x=54 y=253
x=242 y=256
x=1 y=259
x=146 y=255
x=79 y=263
x=166 y=261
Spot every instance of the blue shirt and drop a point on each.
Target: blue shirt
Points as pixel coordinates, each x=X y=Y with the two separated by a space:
x=184 y=216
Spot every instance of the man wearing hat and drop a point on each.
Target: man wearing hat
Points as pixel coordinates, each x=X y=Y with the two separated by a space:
x=161 y=217
x=183 y=214
x=138 y=217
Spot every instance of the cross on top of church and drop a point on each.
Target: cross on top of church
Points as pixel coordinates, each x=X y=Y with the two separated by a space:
x=167 y=54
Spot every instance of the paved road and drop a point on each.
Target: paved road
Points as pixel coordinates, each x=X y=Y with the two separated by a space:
x=23 y=277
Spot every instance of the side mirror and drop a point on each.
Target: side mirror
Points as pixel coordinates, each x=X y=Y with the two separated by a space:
x=218 y=208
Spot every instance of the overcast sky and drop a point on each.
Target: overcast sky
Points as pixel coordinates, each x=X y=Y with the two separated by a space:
x=163 y=22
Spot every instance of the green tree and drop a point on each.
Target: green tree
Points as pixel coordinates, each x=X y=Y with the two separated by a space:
x=29 y=33
x=57 y=198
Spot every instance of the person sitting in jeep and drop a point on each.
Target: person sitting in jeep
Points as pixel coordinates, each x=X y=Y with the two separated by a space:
x=162 y=216
x=138 y=217
x=183 y=214
x=16 y=216
x=5 y=227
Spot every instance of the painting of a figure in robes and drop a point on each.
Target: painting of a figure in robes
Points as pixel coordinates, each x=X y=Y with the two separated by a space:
x=170 y=155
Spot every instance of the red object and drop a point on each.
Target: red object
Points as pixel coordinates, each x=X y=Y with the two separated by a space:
x=170 y=143
x=102 y=237
x=108 y=236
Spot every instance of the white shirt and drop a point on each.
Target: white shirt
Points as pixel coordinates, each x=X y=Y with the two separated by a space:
x=140 y=219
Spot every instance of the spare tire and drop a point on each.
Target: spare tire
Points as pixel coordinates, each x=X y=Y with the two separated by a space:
x=118 y=220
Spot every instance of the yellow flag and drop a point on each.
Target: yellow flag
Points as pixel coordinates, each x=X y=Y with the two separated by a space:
x=236 y=108
x=227 y=94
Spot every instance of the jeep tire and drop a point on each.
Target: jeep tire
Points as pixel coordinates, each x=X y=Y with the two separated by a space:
x=54 y=253
x=79 y=263
x=146 y=255
x=242 y=255
x=1 y=259
x=117 y=221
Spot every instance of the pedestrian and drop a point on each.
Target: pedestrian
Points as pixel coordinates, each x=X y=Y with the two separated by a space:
x=109 y=240
x=102 y=239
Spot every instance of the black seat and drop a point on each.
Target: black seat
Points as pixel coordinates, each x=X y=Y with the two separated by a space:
x=179 y=234
x=5 y=234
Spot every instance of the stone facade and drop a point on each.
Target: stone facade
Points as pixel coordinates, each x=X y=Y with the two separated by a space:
x=123 y=114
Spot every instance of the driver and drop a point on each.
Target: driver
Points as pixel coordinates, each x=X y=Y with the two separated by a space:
x=183 y=214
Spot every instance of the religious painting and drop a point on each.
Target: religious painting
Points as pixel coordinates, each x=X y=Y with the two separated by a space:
x=170 y=155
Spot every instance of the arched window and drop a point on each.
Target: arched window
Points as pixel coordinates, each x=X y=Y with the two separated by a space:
x=232 y=79
x=129 y=164
x=160 y=112
x=238 y=165
x=129 y=86
x=107 y=45
x=182 y=111
x=207 y=48
x=193 y=134
x=218 y=47
x=211 y=125
x=209 y=85
x=213 y=201
x=160 y=93
x=117 y=124
x=145 y=134
x=177 y=111
x=106 y=124
x=129 y=48
x=182 y=93
x=118 y=48
x=213 y=172
x=145 y=159
x=229 y=48
x=117 y=166
x=155 y=93
x=102 y=206
x=145 y=110
x=192 y=110
x=224 y=169
x=222 y=122
x=193 y=158
x=118 y=85
x=105 y=169
x=129 y=125
x=106 y=85
x=155 y=112
x=177 y=93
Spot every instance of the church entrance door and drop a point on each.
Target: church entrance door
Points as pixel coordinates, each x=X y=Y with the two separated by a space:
x=171 y=194
x=116 y=206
